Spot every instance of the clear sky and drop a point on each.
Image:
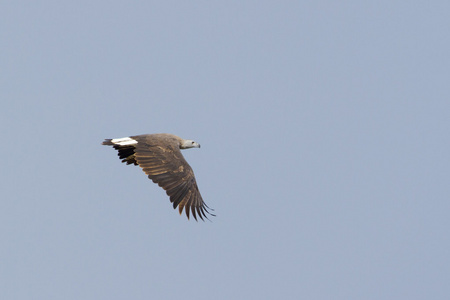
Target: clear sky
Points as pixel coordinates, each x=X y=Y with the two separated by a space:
x=324 y=128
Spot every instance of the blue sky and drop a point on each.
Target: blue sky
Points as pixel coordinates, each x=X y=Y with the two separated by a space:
x=325 y=149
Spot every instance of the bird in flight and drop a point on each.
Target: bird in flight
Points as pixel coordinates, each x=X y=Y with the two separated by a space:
x=159 y=156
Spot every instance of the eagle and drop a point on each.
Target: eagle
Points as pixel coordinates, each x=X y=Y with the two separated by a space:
x=159 y=156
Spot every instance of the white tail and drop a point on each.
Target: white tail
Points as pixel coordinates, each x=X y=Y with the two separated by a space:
x=124 y=141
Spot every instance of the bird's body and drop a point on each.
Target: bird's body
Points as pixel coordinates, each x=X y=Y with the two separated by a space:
x=160 y=158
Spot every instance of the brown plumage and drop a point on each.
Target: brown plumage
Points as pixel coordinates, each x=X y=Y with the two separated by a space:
x=160 y=158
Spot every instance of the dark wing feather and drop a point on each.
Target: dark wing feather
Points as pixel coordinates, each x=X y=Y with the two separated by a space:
x=125 y=153
x=165 y=165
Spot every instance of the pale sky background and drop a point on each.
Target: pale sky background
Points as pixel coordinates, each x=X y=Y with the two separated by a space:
x=324 y=128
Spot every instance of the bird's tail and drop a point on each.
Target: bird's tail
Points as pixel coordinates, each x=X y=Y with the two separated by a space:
x=108 y=142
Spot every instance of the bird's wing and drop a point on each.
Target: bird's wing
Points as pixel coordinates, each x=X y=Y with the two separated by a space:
x=165 y=165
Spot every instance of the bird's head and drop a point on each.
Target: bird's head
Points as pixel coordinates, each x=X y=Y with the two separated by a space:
x=186 y=144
